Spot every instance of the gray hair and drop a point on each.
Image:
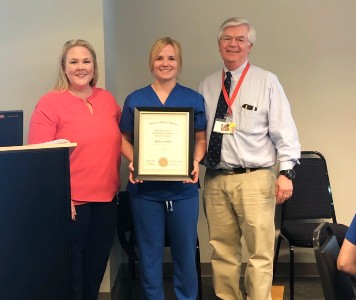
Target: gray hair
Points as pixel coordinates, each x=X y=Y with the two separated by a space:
x=235 y=21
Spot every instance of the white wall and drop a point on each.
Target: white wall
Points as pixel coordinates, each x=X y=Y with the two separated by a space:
x=310 y=45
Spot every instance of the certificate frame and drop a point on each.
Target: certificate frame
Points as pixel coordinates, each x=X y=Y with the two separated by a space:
x=163 y=143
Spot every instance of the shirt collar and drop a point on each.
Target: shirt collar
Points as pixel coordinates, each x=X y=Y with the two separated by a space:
x=238 y=71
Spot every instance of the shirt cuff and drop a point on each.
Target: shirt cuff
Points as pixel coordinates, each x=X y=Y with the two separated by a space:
x=286 y=165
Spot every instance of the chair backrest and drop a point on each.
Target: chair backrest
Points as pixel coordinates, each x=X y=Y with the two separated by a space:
x=312 y=198
x=125 y=227
x=336 y=285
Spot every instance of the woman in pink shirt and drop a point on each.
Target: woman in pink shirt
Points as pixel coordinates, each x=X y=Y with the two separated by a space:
x=80 y=112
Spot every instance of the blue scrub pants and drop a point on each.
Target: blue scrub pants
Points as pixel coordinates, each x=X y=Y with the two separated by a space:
x=179 y=218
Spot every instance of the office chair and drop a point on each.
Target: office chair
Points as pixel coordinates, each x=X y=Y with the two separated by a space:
x=126 y=236
x=310 y=205
x=336 y=285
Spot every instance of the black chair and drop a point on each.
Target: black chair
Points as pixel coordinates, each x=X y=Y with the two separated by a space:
x=336 y=285
x=310 y=205
x=126 y=236
x=125 y=232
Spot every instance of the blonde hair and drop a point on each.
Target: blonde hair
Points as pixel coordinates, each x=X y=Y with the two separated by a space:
x=62 y=82
x=159 y=45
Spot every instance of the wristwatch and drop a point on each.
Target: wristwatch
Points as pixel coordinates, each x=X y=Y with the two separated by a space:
x=290 y=174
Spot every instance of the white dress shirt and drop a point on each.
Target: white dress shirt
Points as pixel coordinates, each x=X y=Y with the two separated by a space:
x=265 y=132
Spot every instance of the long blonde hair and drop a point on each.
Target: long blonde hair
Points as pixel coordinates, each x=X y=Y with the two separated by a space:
x=62 y=82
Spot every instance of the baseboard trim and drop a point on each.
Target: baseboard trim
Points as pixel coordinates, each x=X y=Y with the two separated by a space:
x=282 y=270
x=105 y=296
x=300 y=270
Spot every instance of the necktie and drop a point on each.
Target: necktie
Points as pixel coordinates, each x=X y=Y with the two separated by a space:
x=214 y=149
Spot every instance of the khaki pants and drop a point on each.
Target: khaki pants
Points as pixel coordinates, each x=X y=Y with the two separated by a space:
x=241 y=205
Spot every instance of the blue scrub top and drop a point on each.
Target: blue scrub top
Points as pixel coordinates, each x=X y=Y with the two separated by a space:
x=351 y=232
x=180 y=96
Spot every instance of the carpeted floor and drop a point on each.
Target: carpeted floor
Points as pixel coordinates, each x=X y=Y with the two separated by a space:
x=306 y=288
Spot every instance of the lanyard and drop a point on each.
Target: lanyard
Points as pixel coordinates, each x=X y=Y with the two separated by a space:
x=231 y=100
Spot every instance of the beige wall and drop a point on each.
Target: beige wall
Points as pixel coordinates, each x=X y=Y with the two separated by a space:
x=32 y=34
x=310 y=45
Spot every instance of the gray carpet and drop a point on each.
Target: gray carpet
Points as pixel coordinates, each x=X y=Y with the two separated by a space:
x=305 y=288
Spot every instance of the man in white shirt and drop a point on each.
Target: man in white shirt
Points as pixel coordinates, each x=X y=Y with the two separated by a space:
x=255 y=131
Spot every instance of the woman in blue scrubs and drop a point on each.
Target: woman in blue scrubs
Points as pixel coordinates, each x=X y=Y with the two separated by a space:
x=346 y=260
x=165 y=207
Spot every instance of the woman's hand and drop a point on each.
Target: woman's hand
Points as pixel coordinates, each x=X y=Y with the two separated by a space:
x=195 y=173
x=198 y=155
x=74 y=212
x=131 y=178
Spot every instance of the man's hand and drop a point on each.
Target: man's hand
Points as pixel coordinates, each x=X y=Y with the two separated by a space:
x=284 y=189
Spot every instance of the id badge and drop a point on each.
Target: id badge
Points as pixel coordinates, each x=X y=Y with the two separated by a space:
x=222 y=126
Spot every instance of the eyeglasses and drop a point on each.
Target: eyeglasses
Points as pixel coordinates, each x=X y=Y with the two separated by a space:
x=238 y=39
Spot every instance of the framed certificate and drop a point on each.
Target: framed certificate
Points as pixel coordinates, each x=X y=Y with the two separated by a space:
x=163 y=143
